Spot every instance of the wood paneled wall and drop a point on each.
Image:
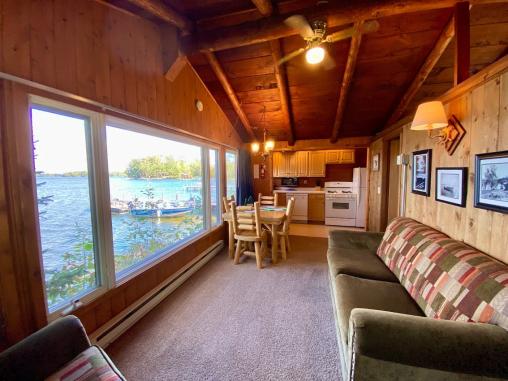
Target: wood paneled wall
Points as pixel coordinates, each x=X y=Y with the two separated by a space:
x=99 y=52
x=96 y=51
x=483 y=111
x=377 y=186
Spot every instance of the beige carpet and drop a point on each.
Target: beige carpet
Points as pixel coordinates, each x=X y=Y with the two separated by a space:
x=232 y=322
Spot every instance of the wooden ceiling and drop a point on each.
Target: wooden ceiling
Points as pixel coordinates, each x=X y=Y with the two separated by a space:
x=383 y=66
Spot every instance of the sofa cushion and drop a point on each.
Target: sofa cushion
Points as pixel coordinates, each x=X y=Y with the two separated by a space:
x=90 y=365
x=357 y=262
x=352 y=292
x=447 y=278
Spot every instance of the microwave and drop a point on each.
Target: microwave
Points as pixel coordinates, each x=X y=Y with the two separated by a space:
x=289 y=181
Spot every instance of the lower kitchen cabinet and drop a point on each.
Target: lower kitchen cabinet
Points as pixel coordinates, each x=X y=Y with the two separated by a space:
x=316 y=207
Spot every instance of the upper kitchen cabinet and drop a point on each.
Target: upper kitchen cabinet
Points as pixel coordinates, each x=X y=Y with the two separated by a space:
x=302 y=158
x=340 y=156
x=317 y=164
x=285 y=164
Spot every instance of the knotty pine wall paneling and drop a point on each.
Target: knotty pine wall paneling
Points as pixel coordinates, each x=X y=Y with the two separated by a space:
x=96 y=51
x=481 y=105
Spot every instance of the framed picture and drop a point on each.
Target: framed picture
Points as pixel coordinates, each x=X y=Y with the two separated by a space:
x=451 y=185
x=422 y=164
x=491 y=181
x=375 y=162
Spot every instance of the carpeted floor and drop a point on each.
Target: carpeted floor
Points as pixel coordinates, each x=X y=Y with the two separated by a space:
x=232 y=322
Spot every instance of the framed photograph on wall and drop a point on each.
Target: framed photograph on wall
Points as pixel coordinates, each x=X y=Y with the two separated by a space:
x=422 y=165
x=375 y=162
x=451 y=185
x=491 y=181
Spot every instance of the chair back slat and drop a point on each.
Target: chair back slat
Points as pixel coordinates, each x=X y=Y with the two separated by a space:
x=246 y=221
x=268 y=200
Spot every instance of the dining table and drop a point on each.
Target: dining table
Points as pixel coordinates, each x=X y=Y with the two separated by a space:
x=270 y=216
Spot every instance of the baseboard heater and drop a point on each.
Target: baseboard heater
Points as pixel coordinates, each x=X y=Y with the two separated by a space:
x=110 y=331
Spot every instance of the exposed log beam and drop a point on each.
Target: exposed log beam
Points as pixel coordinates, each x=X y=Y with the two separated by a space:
x=462 y=43
x=429 y=63
x=162 y=11
x=346 y=80
x=219 y=72
x=340 y=13
x=264 y=6
x=281 y=77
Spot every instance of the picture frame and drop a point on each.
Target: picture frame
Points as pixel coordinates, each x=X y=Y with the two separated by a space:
x=375 y=162
x=491 y=181
x=421 y=170
x=451 y=185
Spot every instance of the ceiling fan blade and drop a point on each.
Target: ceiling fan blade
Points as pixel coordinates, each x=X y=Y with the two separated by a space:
x=291 y=55
x=300 y=23
x=366 y=27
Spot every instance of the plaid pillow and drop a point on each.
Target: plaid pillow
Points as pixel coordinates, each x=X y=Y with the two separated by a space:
x=447 y=278
x=89 y=365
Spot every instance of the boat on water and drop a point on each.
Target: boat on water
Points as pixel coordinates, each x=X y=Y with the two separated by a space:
x=160 y=213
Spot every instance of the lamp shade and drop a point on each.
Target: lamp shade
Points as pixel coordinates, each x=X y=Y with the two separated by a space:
x=269 y=145
x=429 y=116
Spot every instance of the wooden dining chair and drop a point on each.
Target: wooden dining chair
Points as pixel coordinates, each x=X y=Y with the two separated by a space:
x=283 y=234
x=268 y=200
x=226 y=201
x=247 y=230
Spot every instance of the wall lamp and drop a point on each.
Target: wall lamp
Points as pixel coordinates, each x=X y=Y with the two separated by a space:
x=432 y=116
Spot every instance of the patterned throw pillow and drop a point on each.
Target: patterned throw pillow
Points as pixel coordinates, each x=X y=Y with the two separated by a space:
x=89 y=365
x=447 y=278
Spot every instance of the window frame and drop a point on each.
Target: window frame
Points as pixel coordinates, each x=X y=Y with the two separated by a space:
x=234 y=152
x=92 y=120
x=99 y=188
x=218 y=176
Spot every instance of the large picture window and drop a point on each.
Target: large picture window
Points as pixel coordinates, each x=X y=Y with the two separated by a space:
x=155 y=192
x=62 y=165
x=114 y=196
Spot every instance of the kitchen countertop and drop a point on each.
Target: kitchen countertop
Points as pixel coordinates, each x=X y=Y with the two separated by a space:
x=309 y=190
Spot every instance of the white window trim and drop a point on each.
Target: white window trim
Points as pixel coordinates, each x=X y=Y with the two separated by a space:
x=102 y=224
x=235 y=152
x=94 y=119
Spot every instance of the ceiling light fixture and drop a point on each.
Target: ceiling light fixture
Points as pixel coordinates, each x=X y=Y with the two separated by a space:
x=268 y=144
x=315 y=55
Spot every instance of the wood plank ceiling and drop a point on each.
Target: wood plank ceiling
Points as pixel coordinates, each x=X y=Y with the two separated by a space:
x=387 y=62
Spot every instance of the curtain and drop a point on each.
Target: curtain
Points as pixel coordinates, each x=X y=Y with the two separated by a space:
x=245 y=180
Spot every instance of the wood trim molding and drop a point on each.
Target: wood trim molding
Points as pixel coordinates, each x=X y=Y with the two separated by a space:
x=441 y=44
x=346 y=80
x=281 y=77
x=221 y=75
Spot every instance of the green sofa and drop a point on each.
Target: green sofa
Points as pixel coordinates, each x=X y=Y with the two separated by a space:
x=382 y=329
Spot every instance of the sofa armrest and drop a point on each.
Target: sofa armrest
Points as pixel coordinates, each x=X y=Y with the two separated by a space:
x=452 y=346
x=45 y=351
x=342 y=239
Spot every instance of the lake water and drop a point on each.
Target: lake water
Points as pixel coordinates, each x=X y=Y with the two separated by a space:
x=66 y=219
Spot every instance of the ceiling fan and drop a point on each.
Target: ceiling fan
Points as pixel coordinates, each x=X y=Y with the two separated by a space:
x=314 y=34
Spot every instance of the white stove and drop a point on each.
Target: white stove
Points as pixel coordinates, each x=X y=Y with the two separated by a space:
x=340 y=203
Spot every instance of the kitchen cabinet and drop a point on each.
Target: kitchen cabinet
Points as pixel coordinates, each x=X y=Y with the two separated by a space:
x=316 y=207
x=277 y=164
x=284 y=164
x=345 y=156
x=291 y=164
x=333 y=157
x=302 y=158
x=317 y=164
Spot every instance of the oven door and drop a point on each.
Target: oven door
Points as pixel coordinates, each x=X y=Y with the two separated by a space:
x=340 y=207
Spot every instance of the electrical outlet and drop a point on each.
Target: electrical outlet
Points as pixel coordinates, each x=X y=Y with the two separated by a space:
x=378 y=190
